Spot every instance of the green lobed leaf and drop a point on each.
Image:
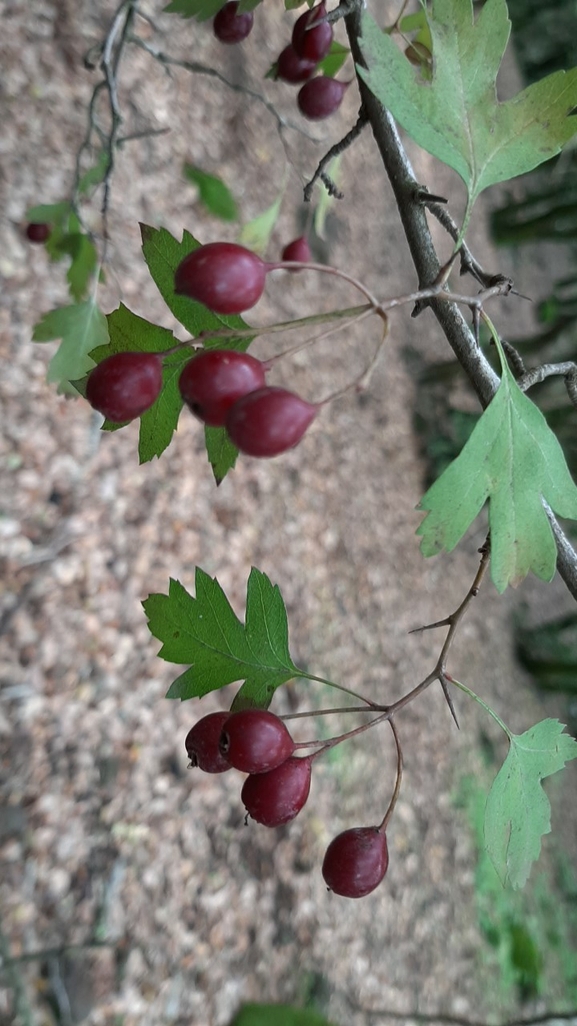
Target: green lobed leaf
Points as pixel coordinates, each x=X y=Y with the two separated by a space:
x=215 y=195
x=277 y=1015
x=518 y=812
x=205 y=632
x=201 y=9
x=81 y=327
x=256 y=234
x=130 y=333
x=456 y=116
x=49 y=213
x=83 y=262
x=513 y=459
x=334 y=60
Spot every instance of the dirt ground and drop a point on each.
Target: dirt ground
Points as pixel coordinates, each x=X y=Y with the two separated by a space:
x=105 y=837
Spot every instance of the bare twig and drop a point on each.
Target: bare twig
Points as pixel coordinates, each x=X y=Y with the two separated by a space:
x=547 y=370
x=335 y=151
x=457 y=1020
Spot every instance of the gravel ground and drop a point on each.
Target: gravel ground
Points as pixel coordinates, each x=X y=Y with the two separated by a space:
x=105 y=837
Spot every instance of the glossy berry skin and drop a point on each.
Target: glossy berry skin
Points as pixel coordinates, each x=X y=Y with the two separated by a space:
x=269 y=421
x=356 y=861
x=226 y=277
x=292 y=68
x=278 y=796
x=312 y=43
x=39 y=232
x=202 y=743
x=298 y=250
x=125 y=385
x=255 y=741
x=230 y=27
x=215 y=378
x=321 y=97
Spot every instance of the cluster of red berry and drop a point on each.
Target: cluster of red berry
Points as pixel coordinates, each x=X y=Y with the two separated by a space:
x=222 y=387
x=311 y=41
x=257 y=742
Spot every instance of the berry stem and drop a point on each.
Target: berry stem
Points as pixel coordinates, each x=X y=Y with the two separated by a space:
x=480 y=701
x=383 y=825
x=293 y=265
x=362 y=380
x=328 y=712
x=356 y=319
x=341 y=687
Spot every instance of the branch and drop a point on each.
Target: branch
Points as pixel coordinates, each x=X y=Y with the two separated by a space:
x=457 y=1020
x=406 y=189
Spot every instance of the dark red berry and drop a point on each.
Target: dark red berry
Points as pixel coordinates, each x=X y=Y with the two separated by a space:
x=356 y=861
x=202 y=743
x=278 y=796
x=39 y=232
x=321 y=97
x=230 y=27
x=125 y=385
x=298 y=250
x=292 y=68
x=255 y=741
x=269 y=421
x=215 y=378
x=226 y=277
x=312 y=43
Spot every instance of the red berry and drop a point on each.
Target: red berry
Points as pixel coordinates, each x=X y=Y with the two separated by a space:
x=356 y=861
x=269 y=421
x=202 y=743
x=215 y=378
x=321 y=97
x=278 y=796
x=230 y=27
x=255 y=741
x=298 y=250
x=292 y=68
x=226 y=277
x=312 y=43
x=125 y=385
x=39 y=232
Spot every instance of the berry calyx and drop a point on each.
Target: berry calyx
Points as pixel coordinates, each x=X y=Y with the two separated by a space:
x=292 y=68
x=226 y=277
x=321 y=97
x=201 y=743
x=298 y=250
x=39 y=232
x=312 y=43
x=255 y=741
x=230 y=27
x=125 y=385
x=278 y=796
x=269 y=421
x=215 y=378
x=356 y=861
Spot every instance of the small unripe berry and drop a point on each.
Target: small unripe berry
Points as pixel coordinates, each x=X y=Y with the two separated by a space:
x=202 y=743
x=255 y=741
x=226 y=277
x=230 y=27
x=125 y=385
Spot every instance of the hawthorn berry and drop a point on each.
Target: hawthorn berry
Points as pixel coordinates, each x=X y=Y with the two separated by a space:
x=278 y=796
x=215 y=378
x=255 y=741
x=39 y=232
x=321 y=97
x=201 y=743
x=298 y=250
x=125 y=385
x=312 y=43
x=356 y=861
x=224 y=276
x=292 y=68
x=230 y=27
x=269 y=421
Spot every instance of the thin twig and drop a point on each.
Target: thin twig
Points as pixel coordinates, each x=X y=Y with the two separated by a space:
x=457 y=1020
x=547 y=370
x=335 y=151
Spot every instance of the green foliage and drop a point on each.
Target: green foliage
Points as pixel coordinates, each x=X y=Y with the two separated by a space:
x=215 y=195
x=334 y=60
x=518 y=812
x=277 y=1015
x=81 y=327
x=514 y=460
x=256 y=234
x=205 y=632
x=204 y=9
x=457 y=116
